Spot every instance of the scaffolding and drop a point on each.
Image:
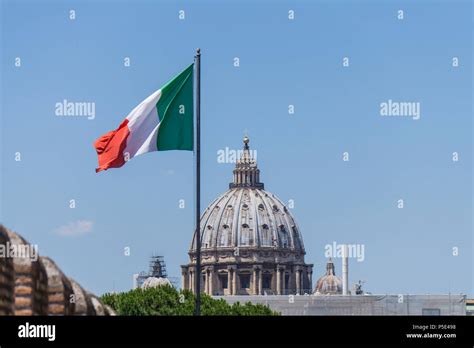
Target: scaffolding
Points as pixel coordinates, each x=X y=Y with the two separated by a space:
x=156 y=268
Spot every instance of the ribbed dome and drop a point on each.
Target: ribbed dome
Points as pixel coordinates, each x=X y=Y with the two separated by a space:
x=328 y=283
x=247 y=216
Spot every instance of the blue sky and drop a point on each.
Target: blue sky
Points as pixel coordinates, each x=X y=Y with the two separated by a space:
x=282 y=62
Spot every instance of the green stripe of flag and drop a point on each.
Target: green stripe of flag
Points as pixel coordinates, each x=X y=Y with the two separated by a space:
x=175 y=111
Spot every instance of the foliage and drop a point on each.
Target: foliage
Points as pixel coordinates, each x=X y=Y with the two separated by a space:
x=166 y=300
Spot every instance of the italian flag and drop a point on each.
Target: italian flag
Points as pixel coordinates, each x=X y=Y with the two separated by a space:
x=163 y=121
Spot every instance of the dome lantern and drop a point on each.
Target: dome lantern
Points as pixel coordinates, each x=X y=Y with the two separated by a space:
x=246 y=172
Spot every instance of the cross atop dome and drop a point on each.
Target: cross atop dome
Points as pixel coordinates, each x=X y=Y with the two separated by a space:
x=330 y=268
x=246 y=142
x=246 y=172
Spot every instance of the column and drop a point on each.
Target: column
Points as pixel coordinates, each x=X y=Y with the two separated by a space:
x=205 y=281
x=210 y=287
x=283 y=282
x=278 y=281
x=310 y=276
x=234 y=281
x=184 y=278
x=229 y=281
x=345 y=270
x=254 y=281
x=191 y=280
x=298 y=281
x=260 y=282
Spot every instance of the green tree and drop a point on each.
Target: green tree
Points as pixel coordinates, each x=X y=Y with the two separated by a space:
x=166 y=300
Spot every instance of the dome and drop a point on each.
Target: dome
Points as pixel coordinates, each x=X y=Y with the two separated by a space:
x=153 y=282
x=328 y=283
x=250 y=242
x=247 y=216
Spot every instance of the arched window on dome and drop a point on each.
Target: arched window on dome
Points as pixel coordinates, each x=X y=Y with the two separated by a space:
x=283 y=236
x=207 y=236
x=245 y=235
x=225 y=236
x=266 y=236
x=296 y=237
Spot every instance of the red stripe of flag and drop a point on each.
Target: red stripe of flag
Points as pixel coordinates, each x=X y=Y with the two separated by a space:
x=110 y=147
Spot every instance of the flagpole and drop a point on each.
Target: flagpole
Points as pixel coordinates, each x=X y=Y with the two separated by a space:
x=198 y=182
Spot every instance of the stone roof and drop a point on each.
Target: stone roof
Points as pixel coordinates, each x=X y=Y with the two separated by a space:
x=83 y=303
x=60 y=291
x=35 y=285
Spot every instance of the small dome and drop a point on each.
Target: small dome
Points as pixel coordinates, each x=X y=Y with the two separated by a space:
x=328 y=283
x=153 y=282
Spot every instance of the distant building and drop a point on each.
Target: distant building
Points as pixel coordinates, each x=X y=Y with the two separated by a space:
x=135 y=280
x=469 y=306
x=360 y=304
